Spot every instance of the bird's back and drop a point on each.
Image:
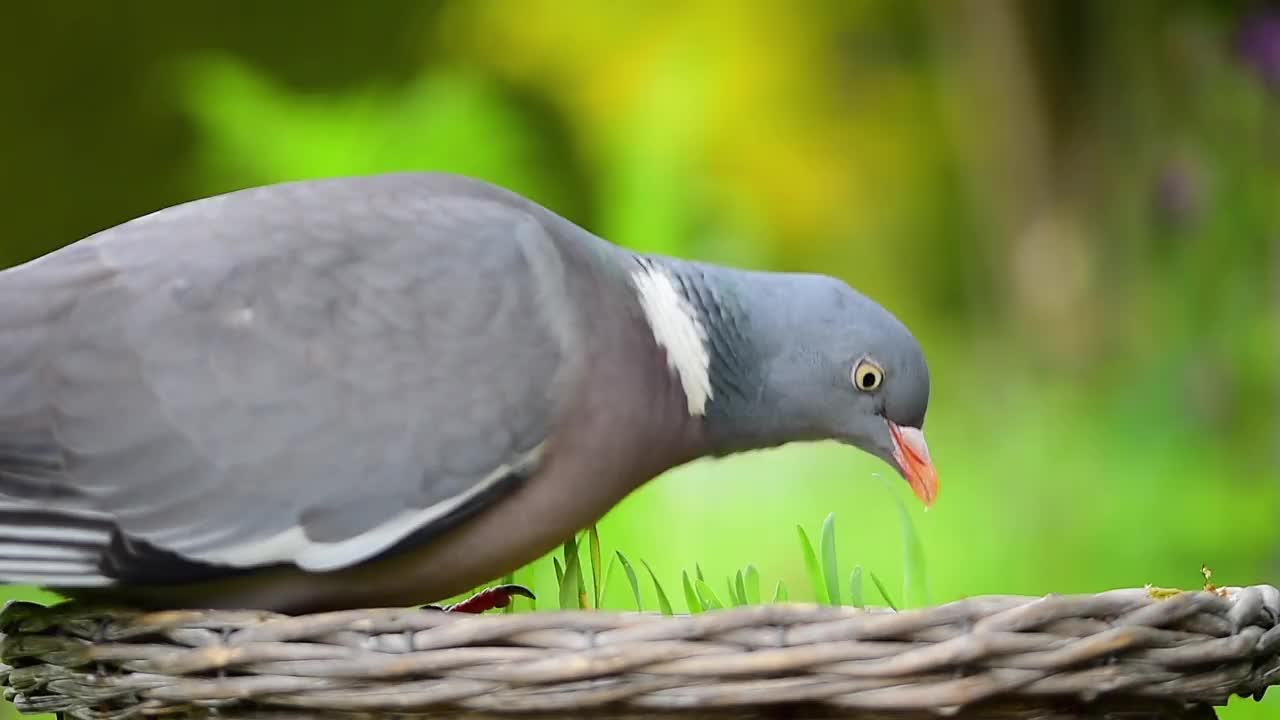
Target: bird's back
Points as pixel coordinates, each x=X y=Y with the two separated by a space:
x=309 y=373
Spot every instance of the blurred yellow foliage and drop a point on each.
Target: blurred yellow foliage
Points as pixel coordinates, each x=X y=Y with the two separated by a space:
x=763 y=102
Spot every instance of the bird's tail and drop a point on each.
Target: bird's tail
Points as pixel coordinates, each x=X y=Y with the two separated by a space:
x=48 y=537
x=51 y=548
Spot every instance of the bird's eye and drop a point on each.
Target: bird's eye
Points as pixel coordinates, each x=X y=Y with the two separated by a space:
x=867 y=376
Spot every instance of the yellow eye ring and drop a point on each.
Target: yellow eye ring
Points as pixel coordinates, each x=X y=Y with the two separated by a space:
x=867 y=376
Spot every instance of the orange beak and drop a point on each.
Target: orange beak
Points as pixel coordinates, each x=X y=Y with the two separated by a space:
x=912 y=455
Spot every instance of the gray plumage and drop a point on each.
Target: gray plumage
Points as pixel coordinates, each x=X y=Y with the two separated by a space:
x=387 y=389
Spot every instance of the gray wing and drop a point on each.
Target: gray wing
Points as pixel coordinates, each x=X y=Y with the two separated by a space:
x=306 y=373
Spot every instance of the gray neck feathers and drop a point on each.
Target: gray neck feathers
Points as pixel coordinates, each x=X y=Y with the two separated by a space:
x=713 y=344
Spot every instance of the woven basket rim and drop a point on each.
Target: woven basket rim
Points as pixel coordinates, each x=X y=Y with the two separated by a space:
x=1118 y=646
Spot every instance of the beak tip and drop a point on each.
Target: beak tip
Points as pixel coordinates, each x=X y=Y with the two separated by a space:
x=912 y=456
x=925 y=486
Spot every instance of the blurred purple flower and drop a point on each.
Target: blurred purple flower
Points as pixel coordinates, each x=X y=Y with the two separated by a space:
x=1258 y=45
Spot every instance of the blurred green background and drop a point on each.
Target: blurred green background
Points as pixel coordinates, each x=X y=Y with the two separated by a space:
x=1075 y=205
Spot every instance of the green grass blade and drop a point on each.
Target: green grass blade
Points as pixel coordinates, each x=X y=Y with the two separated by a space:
x=559 y=574
x=708 y=596
x=663 y=603
x=567 y=550
x=631 y=578
x=690 y=597
x=698 y=569
x=830 y=568
x=915 y=589
x=732 y=594
x=570 y=597
x=740 y=584
x=597 y=565
x=608 y=575
x=811 y=567
x=855 y=587
x=753 y=585
x=584 y=600
x=780 y=592
x=569 y=590
x=883 y=592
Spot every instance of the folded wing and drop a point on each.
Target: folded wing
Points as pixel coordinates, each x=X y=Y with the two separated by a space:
x=311 y=373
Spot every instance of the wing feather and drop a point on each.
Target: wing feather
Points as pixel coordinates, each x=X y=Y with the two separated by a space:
x=312 y=373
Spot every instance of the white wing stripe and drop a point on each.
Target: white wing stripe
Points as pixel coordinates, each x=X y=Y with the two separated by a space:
x=25 y=551
x=47 y=567
x=54 y=534
x=74 y=580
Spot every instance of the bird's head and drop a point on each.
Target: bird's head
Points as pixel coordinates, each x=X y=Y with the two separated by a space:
x=831 y=364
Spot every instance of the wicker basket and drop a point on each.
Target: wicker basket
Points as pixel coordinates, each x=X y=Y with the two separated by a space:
x=1125 y=653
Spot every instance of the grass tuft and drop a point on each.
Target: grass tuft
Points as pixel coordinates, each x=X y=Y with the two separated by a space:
x=691 y=598
x=708 y=596
x=572 y=590
x=743 y=586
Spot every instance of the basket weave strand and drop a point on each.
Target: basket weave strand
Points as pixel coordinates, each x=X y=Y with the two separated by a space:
x=1119 y=647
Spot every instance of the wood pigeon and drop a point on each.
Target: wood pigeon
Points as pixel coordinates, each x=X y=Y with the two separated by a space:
x=385 y=390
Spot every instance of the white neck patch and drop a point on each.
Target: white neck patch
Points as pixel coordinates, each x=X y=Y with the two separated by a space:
x=678 y=330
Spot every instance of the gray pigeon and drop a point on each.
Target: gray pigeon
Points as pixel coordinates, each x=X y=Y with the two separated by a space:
x=385 y=390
